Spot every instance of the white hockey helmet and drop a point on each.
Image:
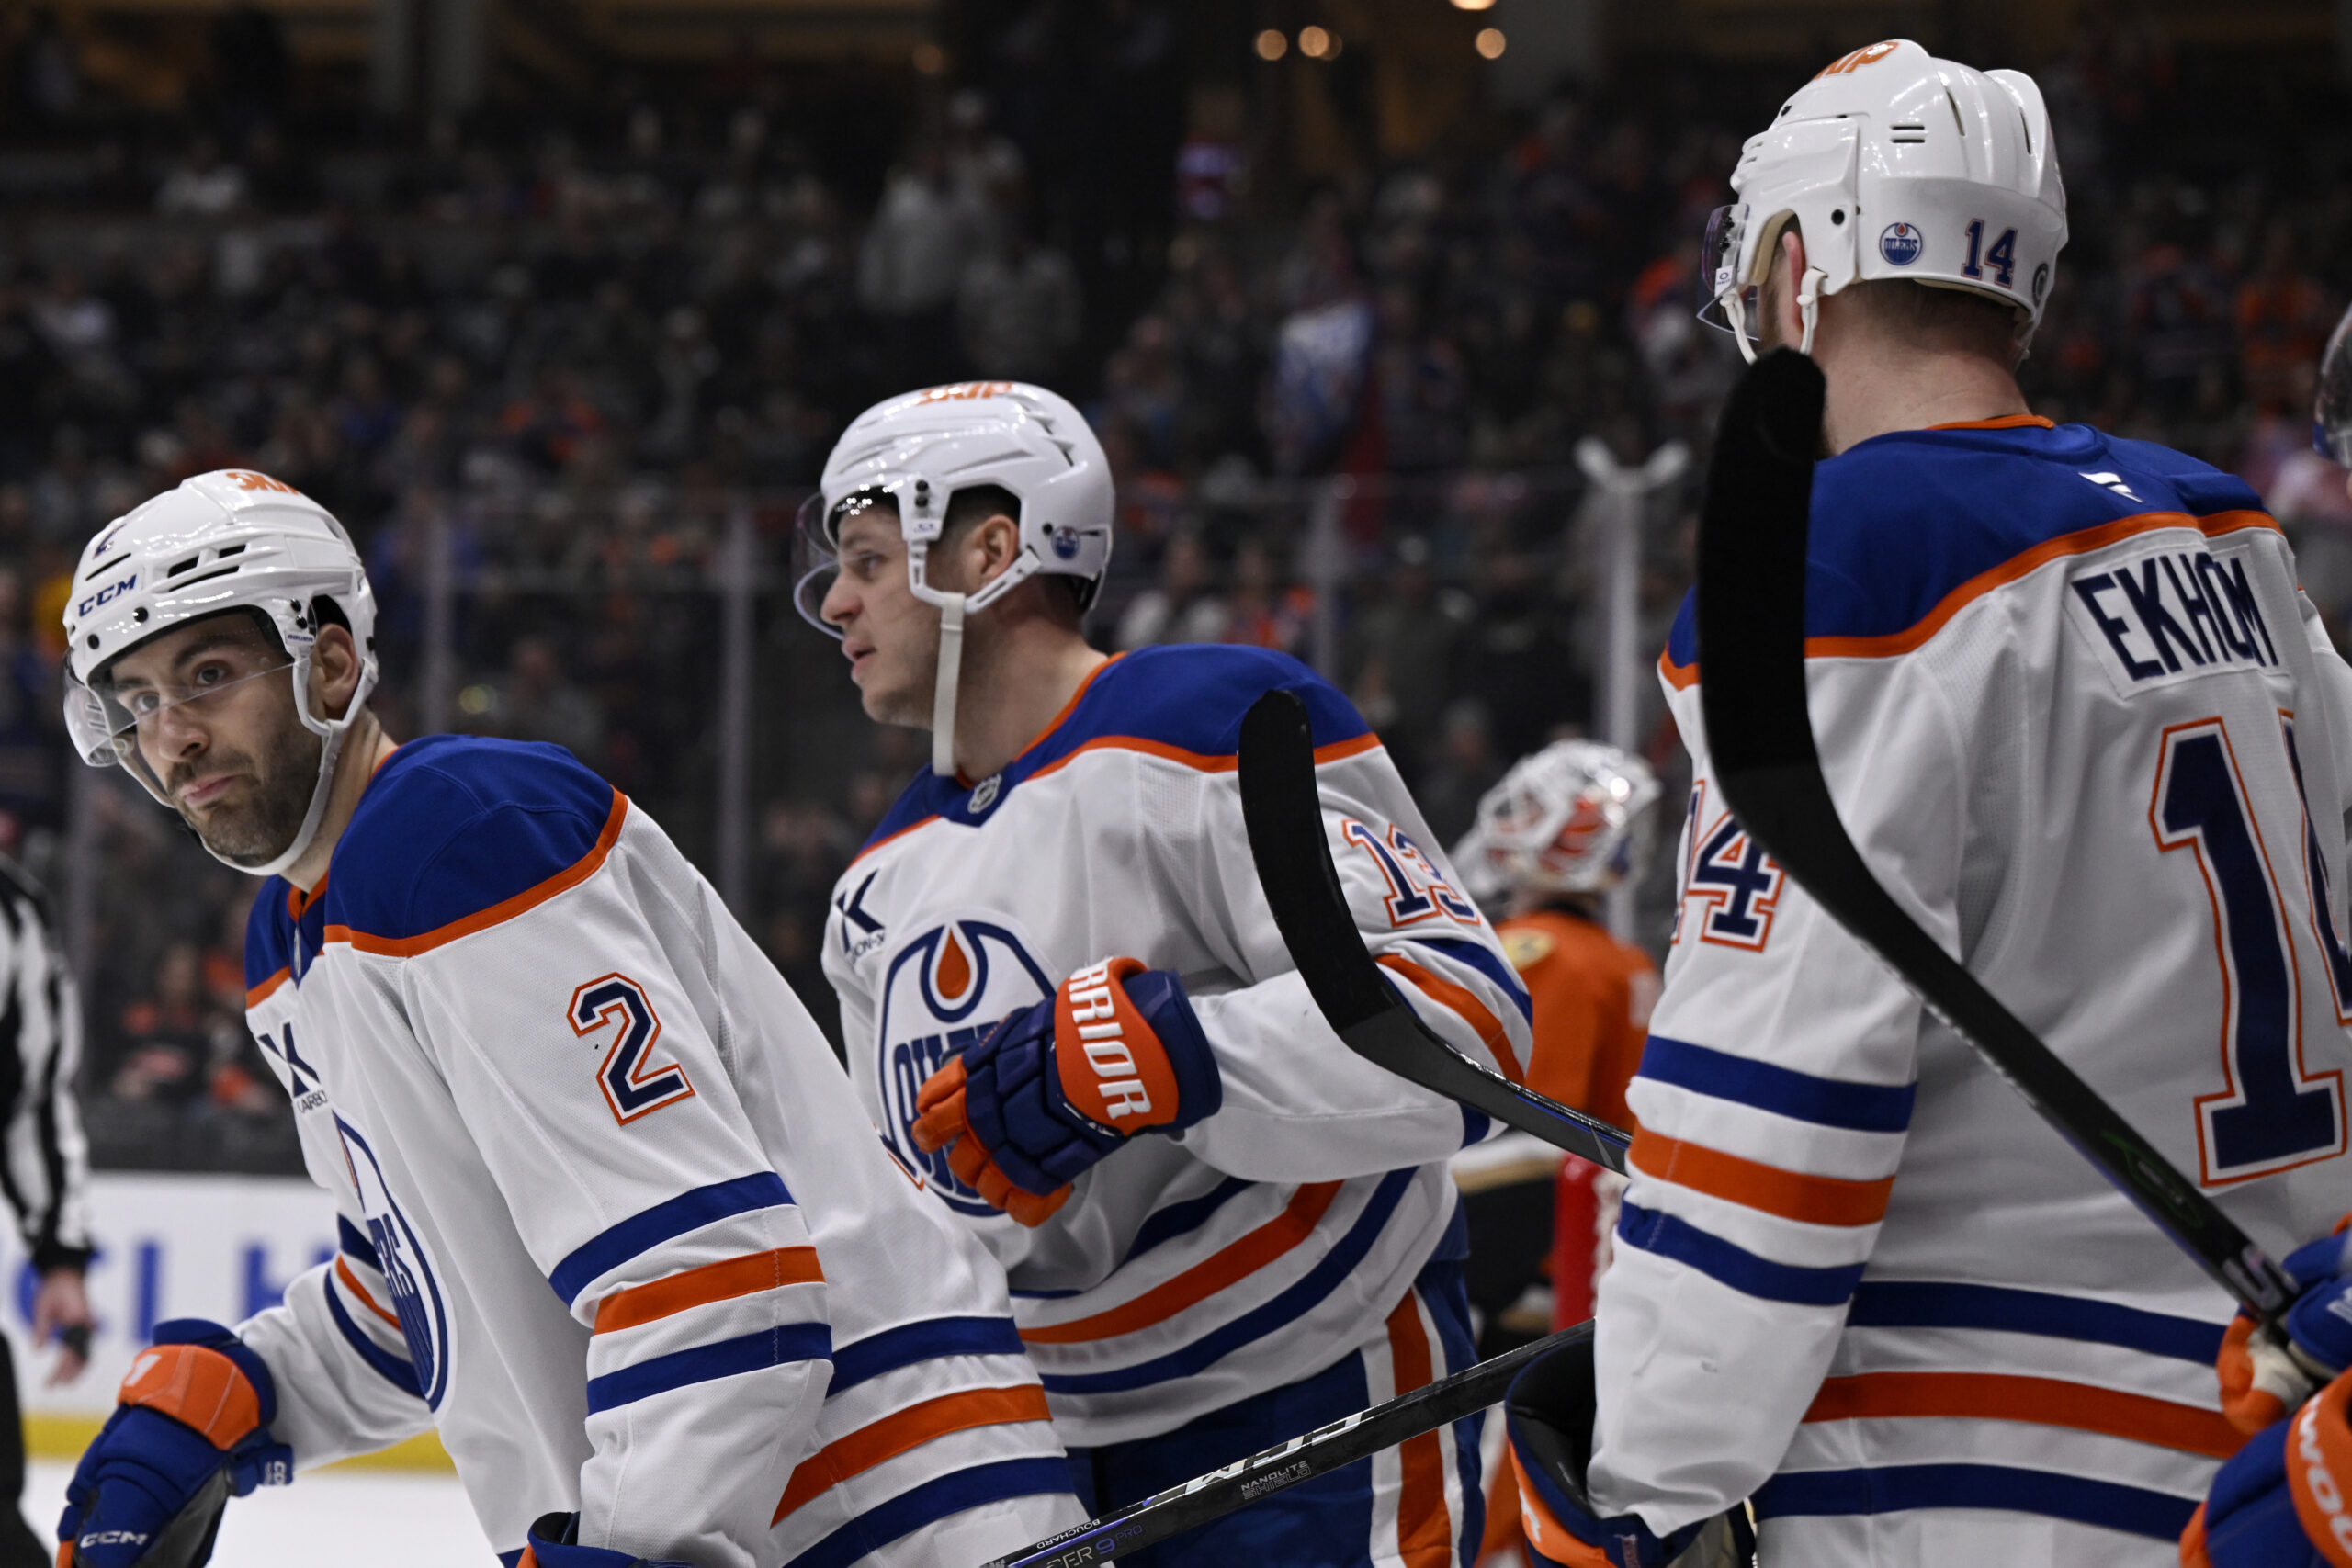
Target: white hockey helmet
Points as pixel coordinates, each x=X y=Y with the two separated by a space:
x=917 y=450
x=1895 y=164
x=1574 y=817
x=229 y=540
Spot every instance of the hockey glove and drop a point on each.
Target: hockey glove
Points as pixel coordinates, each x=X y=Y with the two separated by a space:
x=1117 y=1050
x=2281 y=1501
x=191 y=1428
x=554 y=1544
x=2262 y=1380
x=1550 y=1414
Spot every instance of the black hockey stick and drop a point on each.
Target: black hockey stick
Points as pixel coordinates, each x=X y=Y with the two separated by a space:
x=1244 y=1481
x=1284 y=815
x=1751 y=611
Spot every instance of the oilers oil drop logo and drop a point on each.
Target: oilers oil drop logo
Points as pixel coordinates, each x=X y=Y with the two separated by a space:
x=407 y=1268
x=943 y=993
x=1900 y=245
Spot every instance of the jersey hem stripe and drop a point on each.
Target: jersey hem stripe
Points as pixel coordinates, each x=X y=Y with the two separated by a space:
x=1681 y=677
x=746 y=1353
x=2039 y=1402
x=932 y=1339
x=1792 y=1195
x=1236 y=1260
x=1936 y=1303
x=665 y=1220
x=1286 y=1308
x=1802 y=1097
x=933 y=1500
x=499 y=913
x=1893 y=1489
x=905 y=1430
x=1673 y=1238
x=720 y=1282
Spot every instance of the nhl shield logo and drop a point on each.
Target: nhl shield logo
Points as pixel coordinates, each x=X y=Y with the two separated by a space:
x=1900 y=245
x=943 y=993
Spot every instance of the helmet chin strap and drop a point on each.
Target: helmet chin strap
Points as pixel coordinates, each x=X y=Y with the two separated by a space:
x=330 y=733
x=943 y=701
x=1808 y=308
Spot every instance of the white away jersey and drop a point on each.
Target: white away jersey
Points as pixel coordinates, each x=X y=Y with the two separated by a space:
x=2081 y=723
x=1275 y=1237
x=612 y=1219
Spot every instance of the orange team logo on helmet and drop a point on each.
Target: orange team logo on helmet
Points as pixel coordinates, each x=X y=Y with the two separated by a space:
x=964 y=391
x=1846 y=64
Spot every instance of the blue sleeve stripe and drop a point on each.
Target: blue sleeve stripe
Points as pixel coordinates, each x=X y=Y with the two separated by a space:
x=727 y=1358
x=1474 y=1126
x=928 y=1340
x=1893 y=1489
x=932 y=1502
x=354 y=1243
x=388 y=1367
x=1669 y=1237
x=1487 y=962
x=1826 y=1102
x=1183 y=1218
x=1285 y=1309
x=1935 y=1304
x=642 y=1232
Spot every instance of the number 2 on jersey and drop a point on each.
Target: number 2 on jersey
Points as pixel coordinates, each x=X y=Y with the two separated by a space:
x=635 y=1082
x=2268 y=1117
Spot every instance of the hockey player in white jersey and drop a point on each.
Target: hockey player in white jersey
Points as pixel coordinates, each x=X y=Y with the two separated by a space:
x=2082 y=725
x=610 y=1217
x=1065 y=998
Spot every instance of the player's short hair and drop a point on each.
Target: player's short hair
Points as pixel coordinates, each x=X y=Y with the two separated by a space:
x=975 y=504
x=1929 y=316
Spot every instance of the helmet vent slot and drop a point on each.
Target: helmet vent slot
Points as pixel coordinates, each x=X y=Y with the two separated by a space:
x=178 y=567
x=102 y=569
x=199 y=577
x=225 y=551
x=1906 y=134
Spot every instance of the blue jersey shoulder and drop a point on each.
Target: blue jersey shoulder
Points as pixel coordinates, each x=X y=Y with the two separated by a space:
x=453 y=825
x=1902 y=520
x=1187 y=697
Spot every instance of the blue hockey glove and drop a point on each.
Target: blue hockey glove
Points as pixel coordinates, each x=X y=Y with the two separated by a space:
x=191 y=1428
x=554 y=1544
x=1550 y=1417
x=2281 y=1501
x=2263 y=1380
x=1115 y=1052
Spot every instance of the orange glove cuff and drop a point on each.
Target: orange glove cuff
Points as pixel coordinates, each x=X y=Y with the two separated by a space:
x=2319 y=1469
x=198 y=1388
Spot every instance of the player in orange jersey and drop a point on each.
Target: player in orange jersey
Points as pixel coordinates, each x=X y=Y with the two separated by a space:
x=1564 y=826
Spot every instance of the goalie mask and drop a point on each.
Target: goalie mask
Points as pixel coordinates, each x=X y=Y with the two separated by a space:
x=224 y=541
x=1573 y=817
x=914 y=452
x=1894 y=164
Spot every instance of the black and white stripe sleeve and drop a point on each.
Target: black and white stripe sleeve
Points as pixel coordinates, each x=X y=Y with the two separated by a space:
x=44 y=1159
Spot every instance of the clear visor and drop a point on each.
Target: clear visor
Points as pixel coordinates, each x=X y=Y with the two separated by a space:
x=107 y=721
x=816 y=540
x=2331 y=411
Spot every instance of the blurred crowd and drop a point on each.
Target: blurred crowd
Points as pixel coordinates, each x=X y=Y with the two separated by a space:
x=541 y=375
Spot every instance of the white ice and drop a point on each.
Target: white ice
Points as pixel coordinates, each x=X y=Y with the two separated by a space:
x=357 y=1518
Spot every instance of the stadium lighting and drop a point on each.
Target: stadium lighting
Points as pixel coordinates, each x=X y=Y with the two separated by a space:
x=1319 y=43
x=1272 y=44
x=1473 y=4
x=1491 y=41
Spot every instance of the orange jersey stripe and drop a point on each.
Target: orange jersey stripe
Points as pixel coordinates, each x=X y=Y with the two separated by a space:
x=350 y=1283
x=1203 y=1279
x=719 y=1282
x=1682 y=676
x=2006 y=422
x=2042 y=1401
x=1462 y=1000
x=1424 y=1527
x=908 y=1428
x=262 y=993
x=522 y=903
x=1816 y=1199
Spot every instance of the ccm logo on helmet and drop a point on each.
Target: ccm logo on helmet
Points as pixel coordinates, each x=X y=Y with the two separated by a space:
x=1099 y=1030
x=112 y=590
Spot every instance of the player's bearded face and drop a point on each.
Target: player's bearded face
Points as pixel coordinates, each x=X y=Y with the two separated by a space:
x=239 y=766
